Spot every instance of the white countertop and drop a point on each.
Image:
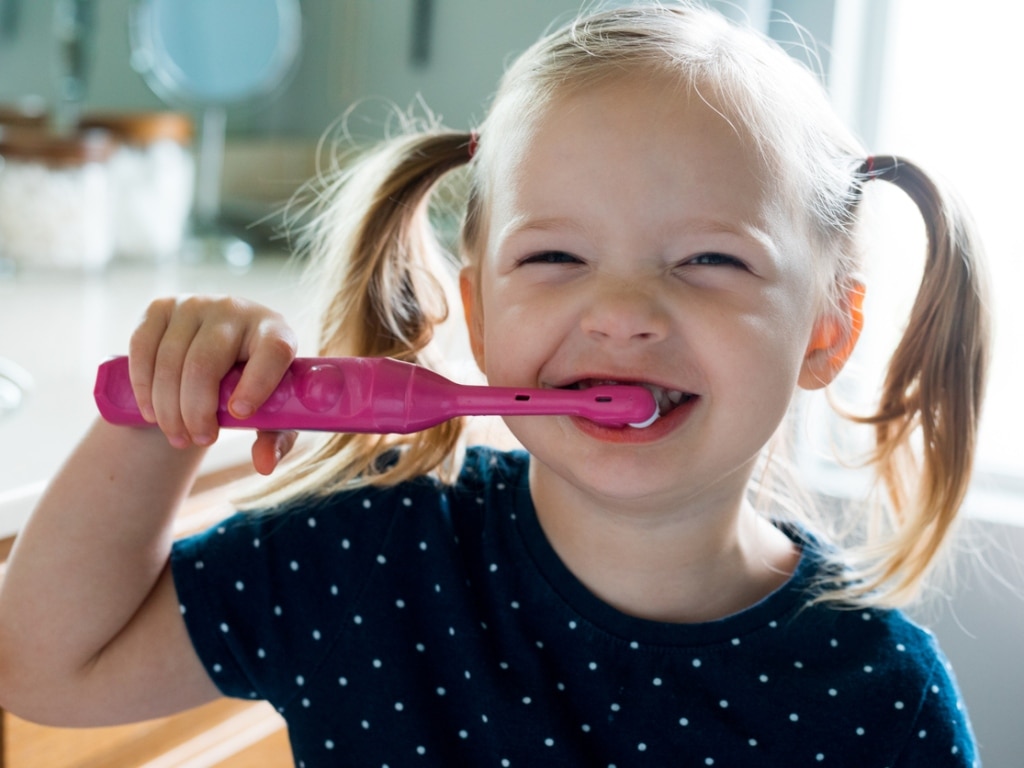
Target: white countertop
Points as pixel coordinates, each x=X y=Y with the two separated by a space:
x=60 y=326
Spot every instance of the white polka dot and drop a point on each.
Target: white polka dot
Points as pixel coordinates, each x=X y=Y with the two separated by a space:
x=399 y=706
x=615 y=707
x=592 y=665
x=794 y=717
x=346 y=544
x=239 y=586
x=860 y=731
x=305 y=703
x=798 y=664
x=585 y=728
x=901 y=647
x=223 y=627
x=922 y=734
x=277 y=610
x=549 y=742
x=366 y=725
x=421 y=750
x=869 y=669
x=834 y=643
x=261 y=653
x=334 y=589
x=819 y=757
x=515 y=604
x=441 y=691
x=494 y=567
x=381 y=559
x=696 y=662
x=656 y=681
x=572 y=625
x=527 y=699
x=377 y=664
x=709 y=761
x=311 y=522
x=329 y=744
x=420 y=647
x=300 y=680
x=641 y=747
x=634 y=645
x=463 y=734
x=406 y=502
x=293 y=565
x=357 y=619
x=833 y=692
x=423 y=546
x=752 y=742
x=316 y=634
x=367 y=504
x=898 y=705
x=735 y=641
x=217 y=668
x=684 y=721
x=763 y=678
x=342 y=681
x=723 y=704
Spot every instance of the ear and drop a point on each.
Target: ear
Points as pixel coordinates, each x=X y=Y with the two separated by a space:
x=472 y=308
x=832 y=341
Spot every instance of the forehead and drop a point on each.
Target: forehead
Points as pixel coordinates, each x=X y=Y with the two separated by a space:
x=654 y=145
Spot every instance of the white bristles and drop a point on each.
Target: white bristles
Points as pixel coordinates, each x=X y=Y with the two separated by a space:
x=644 y=424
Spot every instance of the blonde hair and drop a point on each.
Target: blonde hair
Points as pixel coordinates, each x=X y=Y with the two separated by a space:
x=372 y=245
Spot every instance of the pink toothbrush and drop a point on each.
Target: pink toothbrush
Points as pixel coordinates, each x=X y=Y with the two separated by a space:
x=381 y=395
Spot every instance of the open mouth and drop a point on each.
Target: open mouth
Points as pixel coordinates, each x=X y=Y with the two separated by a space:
x=667 y=399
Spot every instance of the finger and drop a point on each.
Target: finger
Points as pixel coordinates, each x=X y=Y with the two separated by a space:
x=215 y=348
x=168 y=369
x=270 y=448
x=270 y=350
x=142 y=350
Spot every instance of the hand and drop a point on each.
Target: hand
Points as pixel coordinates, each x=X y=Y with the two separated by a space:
x=184 y=347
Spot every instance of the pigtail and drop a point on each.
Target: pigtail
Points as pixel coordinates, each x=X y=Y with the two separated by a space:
x=384 y=283
x=926 y=423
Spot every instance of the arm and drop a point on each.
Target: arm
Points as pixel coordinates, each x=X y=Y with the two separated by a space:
x=90 y=629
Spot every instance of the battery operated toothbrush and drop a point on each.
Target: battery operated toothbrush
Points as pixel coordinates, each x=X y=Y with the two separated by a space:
x=381 y=395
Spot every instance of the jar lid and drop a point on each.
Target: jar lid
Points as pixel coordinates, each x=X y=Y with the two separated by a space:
x=30 y=144
x=142 y=127
x=27 y=113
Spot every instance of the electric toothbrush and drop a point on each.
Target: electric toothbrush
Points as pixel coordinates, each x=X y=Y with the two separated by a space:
x=382 y=395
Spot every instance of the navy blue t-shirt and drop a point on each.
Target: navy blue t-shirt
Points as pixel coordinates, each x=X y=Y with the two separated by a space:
x=432 y=625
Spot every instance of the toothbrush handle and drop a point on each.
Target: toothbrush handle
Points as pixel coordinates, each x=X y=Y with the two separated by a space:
x=379 y=395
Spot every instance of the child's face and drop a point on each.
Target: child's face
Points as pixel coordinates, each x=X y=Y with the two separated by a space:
x=633 y=239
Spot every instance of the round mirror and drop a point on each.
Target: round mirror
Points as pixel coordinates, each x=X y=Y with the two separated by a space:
x=209 y=55
x=217 y=52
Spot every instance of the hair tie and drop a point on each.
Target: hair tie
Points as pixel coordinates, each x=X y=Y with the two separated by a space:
x=474 y=143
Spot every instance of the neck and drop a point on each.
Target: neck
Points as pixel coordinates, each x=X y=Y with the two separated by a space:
x=686 y=563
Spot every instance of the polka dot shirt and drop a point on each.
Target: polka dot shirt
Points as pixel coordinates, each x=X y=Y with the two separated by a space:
x=426 y=625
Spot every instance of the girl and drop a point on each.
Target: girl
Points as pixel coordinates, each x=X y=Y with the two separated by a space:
x=656 y=196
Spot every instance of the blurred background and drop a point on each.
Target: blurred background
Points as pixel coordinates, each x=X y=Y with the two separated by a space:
x=149 y=147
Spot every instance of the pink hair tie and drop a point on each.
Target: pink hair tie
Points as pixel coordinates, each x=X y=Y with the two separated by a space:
x=474 y=143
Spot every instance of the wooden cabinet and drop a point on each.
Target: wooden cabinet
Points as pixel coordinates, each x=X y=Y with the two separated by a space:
x=225 y=734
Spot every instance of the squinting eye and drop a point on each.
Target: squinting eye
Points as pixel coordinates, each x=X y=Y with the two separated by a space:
x=551 y=257
x=715 y=259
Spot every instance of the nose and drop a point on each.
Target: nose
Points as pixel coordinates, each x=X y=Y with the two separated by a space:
x=621 y=312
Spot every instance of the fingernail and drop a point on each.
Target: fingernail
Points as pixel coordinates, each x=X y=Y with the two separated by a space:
x=241 y=409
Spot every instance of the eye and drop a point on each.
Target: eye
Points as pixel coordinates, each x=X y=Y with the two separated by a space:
x=551 y=257
x=715 y=259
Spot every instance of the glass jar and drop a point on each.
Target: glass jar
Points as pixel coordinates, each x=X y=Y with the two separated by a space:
x=55 y=198
x=153 y=180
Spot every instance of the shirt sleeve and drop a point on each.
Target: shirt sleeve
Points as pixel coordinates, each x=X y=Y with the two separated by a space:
x=265 y=596
x=941 y=734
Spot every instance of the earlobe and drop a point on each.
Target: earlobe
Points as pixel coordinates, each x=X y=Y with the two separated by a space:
x=471 y=308
x=833 y=340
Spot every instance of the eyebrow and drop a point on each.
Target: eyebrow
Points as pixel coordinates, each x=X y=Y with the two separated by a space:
x=521 y=224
